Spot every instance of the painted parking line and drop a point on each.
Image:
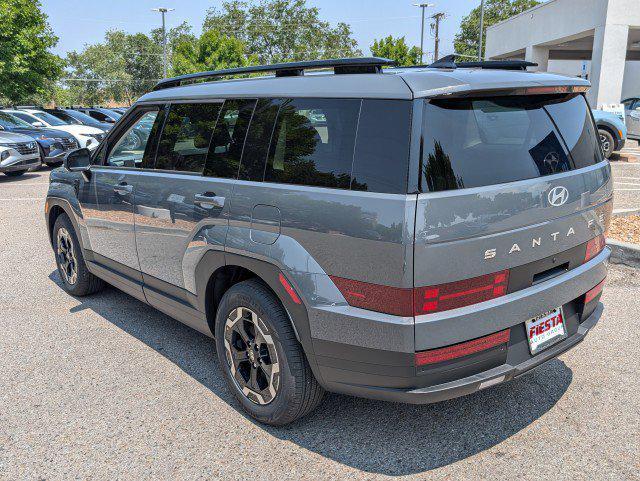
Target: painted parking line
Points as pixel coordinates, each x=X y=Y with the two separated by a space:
x=21 y=198
x=627 y=183
x=626 y=190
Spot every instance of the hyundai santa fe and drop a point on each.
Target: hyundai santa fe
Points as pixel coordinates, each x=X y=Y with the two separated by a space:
x=403 y=234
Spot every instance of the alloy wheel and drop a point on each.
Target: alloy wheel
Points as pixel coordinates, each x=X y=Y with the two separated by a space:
x=606 y=145
x=251 y=356
x=67 y=261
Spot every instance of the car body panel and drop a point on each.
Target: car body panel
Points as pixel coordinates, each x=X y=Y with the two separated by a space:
x=632 y=117
x=613 y=124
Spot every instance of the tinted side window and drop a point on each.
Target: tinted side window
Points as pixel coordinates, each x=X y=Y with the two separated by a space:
x=256 y=148
x=228 y=138
x=381 y=162
x=132 y=146
x=185 y=138
x=25 y=117
x=313 y=142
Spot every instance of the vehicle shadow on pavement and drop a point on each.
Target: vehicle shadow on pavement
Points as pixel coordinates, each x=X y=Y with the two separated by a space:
x=5 y=179
x=373 y=436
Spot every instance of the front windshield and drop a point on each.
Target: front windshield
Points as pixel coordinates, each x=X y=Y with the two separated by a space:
x=9 y=121
x=50 y=119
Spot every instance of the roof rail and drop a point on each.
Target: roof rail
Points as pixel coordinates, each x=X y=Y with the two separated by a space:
x=450 y=62
x=27 y=107
x=290 y=69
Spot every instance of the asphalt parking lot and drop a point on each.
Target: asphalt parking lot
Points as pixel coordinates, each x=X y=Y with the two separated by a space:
x=106 y=388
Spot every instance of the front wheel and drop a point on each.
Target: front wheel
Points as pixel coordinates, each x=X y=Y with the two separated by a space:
x=262 y=361
x=76 y=278
x=607 y=142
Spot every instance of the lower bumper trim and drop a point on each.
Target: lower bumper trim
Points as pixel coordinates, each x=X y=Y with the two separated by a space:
x=474 y=383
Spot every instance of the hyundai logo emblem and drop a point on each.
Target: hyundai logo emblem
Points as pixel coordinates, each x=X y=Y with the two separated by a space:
x=558 y=196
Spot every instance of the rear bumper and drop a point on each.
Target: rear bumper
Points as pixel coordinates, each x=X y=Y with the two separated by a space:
x=389 y=372
x=470 y=384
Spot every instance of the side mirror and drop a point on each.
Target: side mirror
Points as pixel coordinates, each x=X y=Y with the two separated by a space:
x=1 y=127
x=37 y=124
x=78 y=160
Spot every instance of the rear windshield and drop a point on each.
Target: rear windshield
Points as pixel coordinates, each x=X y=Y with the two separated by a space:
x=474 y=142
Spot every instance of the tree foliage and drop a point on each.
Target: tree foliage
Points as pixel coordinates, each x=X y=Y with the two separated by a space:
x=212 y=51
x=281 y=30
x=466 y=40
x=27 y=67
x=121 y=68
x=396 y=49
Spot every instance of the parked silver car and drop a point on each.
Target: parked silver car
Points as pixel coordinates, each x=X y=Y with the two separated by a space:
x=18 y=153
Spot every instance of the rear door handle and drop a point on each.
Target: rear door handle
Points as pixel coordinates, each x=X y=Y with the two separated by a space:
x=123 y=189
x=209 y=200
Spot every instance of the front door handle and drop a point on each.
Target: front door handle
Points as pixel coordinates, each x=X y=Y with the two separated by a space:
x=209 y=200
x=123 y=189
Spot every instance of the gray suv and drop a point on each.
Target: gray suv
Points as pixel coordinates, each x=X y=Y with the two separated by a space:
x=404 y=234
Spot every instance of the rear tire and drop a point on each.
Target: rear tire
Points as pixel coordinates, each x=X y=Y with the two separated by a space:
x=76 y=278
x=607 y=142
x=254 y=334
x=15 y=173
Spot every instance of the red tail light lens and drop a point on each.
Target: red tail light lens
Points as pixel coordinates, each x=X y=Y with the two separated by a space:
x=374 y=297
x=461 y=293
x=594 y=247
x=593 y=293
x=463 y=349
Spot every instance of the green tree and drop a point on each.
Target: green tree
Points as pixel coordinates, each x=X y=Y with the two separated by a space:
x=466 y=40
x=281 y=30
x=122 y=68
x=212 y=51
x=27 y=67
x=396 y=49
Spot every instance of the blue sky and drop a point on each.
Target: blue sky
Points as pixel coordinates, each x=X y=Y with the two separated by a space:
x=78 y=22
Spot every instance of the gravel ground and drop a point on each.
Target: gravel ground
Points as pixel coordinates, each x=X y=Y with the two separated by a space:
x=107 y=388
x=626 y=229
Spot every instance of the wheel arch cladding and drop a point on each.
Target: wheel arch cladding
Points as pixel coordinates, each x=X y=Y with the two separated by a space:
x=217 y=272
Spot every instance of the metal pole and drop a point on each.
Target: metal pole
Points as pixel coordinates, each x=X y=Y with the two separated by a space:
x=481 y=28
x=164 y=47
x=423 y=6
x=164 y=10
x=437 y=17
x=422 y=37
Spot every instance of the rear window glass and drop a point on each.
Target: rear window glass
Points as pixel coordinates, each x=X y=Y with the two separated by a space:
x=313 y=143
x=492 y=140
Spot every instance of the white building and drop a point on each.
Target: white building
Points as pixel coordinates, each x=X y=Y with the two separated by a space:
x=599 y=38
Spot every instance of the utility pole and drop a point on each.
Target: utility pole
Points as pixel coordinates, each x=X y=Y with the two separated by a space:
x=481 y=28
x=164 y=10
x=423 y=6
x=436 y=28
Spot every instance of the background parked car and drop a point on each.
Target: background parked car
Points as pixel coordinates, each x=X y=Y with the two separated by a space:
x=71 y=116
x=101 y=114
x=120 y=110
x=53 y=144
x=632 y=116
x=86 y=135
x=18 y=153
x=611 y=130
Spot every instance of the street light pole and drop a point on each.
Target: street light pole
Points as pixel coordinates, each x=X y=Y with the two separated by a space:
x=481 y=28
x=164 y=10
x=423 y=6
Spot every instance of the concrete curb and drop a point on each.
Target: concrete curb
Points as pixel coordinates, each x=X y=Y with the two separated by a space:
x=624 y=253
x=625 y=212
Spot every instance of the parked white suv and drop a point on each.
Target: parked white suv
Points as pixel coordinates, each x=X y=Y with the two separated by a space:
x=87 y=136
x=18 y=153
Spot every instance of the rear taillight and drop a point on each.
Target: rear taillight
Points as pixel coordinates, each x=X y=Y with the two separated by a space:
x=374 y=297
x=594 y=247
x=463 y=349
x=593 y=293
x=422 y=300
x=452 y=295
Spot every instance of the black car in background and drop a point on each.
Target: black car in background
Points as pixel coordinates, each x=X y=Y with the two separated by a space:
x=53 y=144
x=76 y=117
x=100 y=114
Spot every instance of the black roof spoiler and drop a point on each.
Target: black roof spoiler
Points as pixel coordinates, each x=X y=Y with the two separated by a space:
x=450 y=62
x=290 y=69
